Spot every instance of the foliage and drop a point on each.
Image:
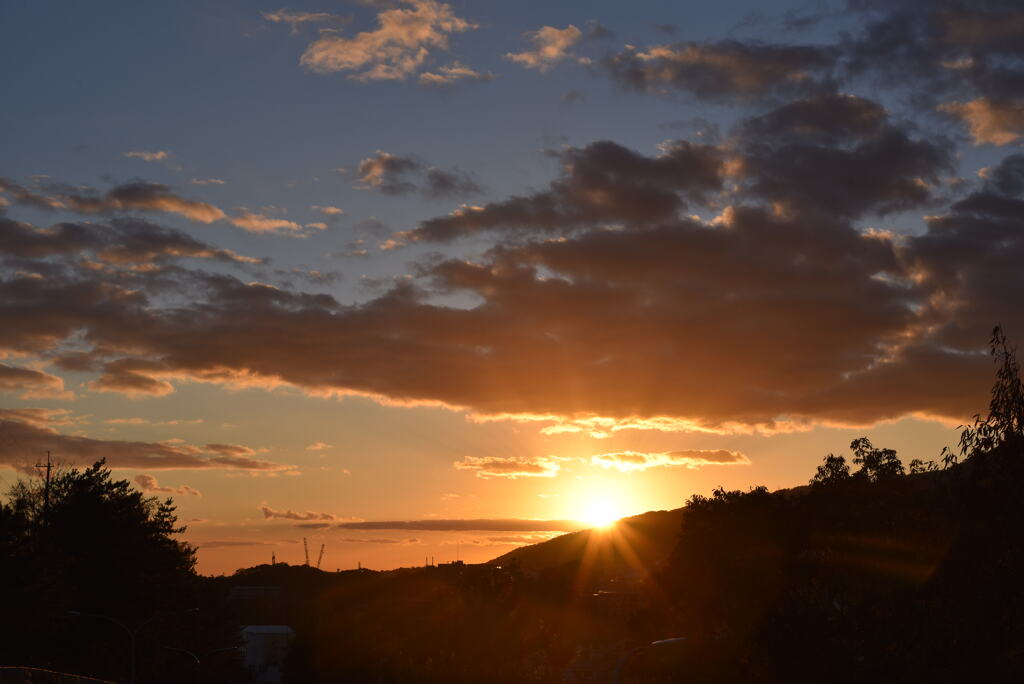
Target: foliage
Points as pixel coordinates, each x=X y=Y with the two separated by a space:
x=833 y=470
x=1005 y=420
x=108 y=539
x=917 y=466
x=99 y=547
x=875 y=464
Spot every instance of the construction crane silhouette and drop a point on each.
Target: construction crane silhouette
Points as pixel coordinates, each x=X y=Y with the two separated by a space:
x=305 y=547
x=321 y=558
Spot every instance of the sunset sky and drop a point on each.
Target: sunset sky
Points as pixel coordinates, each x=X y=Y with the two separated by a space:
x=315 y=269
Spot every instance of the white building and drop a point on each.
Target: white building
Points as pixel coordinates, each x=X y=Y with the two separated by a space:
x=265 y=648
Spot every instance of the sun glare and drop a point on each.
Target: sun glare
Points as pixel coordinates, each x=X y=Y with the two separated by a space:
x=602 y=512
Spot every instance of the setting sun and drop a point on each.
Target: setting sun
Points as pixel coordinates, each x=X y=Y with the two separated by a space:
x=602 y=511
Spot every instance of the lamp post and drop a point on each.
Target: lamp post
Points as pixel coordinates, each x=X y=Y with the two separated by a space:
x=132 y=633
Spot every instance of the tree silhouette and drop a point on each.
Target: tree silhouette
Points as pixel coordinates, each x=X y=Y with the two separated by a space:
x=875 y=464
x=1005 y=420
x=100 y=546
x=833 y=470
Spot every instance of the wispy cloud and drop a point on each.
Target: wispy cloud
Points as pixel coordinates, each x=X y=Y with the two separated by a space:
x=148 y=483
x=550 y=46
x=289 y=514
x=511 y=467
x=159 y=155
x=295 y=20
x=630 y=461
x=449 y=74
x=260 y=223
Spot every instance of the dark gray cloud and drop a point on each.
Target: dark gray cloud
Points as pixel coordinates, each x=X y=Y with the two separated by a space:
x=749 y=319
x=25 y=196
x=395 y=175
x=721 y=286
x=119 y=241
x=602 y=182
x=34 y=384
x=949 y=44
x=726 y=71
x=29 y=434
x=141 y=196
x=841 y=156
x=972 y=256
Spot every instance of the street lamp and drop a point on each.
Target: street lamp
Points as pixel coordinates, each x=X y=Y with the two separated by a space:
x=132 y=633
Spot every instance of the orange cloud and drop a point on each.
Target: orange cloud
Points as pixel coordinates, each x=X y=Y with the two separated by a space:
x=450 y=74
x=148 y=483
x=550 y=46
x=32 y=384
x=630 y=461
x=258 y=223
x=395 y=50
x=991 y=122
x=512 y=467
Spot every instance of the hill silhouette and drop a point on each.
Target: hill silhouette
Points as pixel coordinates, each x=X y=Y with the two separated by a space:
x=638 y=541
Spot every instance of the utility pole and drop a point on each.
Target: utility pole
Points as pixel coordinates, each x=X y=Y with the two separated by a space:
x=48 y=466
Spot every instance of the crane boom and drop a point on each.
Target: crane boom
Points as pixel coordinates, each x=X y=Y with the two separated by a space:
x=321 y=558
x=305 y=547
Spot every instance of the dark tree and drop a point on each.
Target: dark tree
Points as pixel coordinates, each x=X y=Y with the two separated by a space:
x=875 y=464
x=1005 y=420
x=832 y=470
x=99 y=546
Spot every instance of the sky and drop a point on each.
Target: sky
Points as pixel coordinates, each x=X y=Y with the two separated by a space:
x=420 y=280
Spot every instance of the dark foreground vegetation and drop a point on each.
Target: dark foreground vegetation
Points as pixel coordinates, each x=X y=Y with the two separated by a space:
x=869 y=573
